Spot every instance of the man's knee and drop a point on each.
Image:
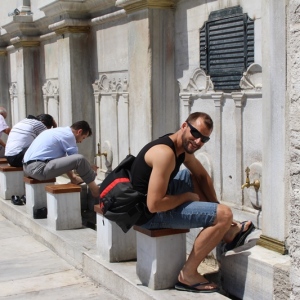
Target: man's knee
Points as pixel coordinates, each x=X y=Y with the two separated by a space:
x=224 y=214
x=78 y=156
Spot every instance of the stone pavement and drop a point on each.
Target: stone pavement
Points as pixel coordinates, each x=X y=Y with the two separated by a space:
x=39 y=263
x=30 y=270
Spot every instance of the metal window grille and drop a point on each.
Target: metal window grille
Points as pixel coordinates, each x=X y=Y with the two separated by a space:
x=227 y=47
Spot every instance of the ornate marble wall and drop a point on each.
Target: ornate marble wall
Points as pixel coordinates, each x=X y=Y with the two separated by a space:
x=131 y=69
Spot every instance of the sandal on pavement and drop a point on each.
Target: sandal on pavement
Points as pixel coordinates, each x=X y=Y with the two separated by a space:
x=240 y=238
x=193 y=288
x=16 y=200
x=23 y=198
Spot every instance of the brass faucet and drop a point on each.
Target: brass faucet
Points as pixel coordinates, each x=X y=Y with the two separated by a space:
x=101 y=153
x=247 y=184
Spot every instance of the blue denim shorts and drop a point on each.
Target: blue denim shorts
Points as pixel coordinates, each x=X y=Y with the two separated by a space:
x=193 y=214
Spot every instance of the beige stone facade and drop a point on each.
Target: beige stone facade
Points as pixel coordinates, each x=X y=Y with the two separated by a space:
x=131 y=68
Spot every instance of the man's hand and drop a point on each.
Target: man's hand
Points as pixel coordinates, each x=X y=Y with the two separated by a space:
x=94 y=168
x=193 y=196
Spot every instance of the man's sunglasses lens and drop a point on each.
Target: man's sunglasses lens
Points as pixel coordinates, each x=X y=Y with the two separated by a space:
x=196 y=134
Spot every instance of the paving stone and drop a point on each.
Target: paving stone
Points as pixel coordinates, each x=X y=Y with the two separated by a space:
x=30 y=270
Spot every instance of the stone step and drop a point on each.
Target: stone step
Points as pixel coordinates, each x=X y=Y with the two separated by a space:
x=78 y=247
x=39 y=273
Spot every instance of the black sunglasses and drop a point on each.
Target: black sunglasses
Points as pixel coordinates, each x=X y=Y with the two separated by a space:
x=197 y=134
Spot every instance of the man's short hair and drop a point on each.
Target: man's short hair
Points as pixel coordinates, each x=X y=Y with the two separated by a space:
x=204 y=116
x=86 y=129
x=46 y=119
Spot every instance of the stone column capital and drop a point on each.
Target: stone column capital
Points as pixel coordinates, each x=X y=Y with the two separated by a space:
x=21 y=42
x=218 y=98
x=3 y=51
x=186 y=98
x=135 y=5
x=70 y=26
x=239 y=98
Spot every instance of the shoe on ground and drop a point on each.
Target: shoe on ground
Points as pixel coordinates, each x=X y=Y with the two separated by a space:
x=16 y=200
x=23 y=198
x=40 y=213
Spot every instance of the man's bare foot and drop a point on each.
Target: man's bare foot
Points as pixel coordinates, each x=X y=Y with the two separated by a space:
x=239 y=239
x=194 y=283
x=234 y=231
x=76 y=180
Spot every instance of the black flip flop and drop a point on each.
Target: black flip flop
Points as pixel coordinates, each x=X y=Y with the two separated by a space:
x=193 y=288
x=240 y=238
x=23 y=198
x=16 y=200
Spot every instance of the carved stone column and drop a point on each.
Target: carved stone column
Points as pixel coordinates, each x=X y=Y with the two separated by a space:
x=151 y=52
x=125 y=97
x=239 y=99
x=218 y=100
x=185 y=105
x=97 y=97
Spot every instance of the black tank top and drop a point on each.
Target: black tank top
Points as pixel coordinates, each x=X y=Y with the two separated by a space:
x=141 y=172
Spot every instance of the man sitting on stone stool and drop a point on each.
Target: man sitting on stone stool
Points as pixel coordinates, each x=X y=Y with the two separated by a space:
x=184 y=199
x=54 y=152
x=22 y=135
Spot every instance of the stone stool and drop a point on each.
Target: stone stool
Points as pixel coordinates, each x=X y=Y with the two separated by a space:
x=161 y=254
x=35 y=193
x=63 y=204
x=11 y=181
x=112 y=243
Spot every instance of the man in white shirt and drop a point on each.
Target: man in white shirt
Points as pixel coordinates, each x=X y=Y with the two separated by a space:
x=22 y=135
x=3 y=128
x=54 y=152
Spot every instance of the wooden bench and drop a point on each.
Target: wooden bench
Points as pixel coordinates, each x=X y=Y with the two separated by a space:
x=3 y=160
x=35 y=193
x=63 y=204
x=113 y=244
x=161 y=254
x=11 y=181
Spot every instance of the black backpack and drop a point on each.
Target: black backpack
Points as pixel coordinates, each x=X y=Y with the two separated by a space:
x=119 y=202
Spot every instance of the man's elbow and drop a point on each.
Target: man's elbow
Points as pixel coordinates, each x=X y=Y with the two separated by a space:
x=152 y=211
x=152 y=207
x=7 y=130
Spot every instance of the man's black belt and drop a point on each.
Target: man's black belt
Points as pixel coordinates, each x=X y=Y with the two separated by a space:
x=35 y=160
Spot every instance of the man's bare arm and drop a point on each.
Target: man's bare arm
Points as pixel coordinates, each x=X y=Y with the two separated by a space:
x=161 y=159
x=7 y=130
x=203 y=183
